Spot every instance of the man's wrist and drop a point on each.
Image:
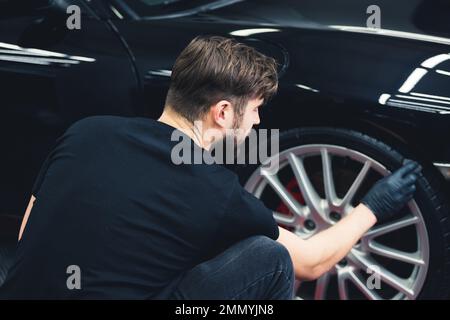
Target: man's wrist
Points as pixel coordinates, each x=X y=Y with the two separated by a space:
x=365 y=215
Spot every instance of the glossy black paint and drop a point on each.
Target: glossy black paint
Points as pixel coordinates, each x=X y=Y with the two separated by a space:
x=328 y=77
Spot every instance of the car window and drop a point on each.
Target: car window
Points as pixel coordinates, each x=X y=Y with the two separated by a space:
x=154 y=8
x=157 y=2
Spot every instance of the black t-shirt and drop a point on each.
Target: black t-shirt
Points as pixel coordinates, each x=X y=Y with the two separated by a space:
x=111 y=202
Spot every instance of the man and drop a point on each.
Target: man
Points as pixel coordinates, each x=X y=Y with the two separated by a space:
x=112 y=216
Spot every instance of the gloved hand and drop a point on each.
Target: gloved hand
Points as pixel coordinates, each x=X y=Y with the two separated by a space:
x=390 y=194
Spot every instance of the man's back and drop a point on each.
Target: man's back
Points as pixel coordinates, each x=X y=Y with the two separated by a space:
x=110 y=201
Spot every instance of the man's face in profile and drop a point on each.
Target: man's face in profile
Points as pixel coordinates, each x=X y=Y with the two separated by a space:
x=243 y=125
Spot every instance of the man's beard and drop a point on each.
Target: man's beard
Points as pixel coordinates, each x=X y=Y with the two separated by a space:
x=237 y=121
x=232 y=141
x=229 y=146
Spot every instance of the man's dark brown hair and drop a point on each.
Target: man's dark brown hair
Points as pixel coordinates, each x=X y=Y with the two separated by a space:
x=215 y=68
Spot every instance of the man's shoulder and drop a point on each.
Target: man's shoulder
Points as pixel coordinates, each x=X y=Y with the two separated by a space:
x=98 y=122
x=96 y=128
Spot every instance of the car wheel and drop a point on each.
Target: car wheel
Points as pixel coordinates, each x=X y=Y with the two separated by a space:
x=322 y=175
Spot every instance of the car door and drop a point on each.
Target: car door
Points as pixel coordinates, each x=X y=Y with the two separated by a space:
x=51 y=76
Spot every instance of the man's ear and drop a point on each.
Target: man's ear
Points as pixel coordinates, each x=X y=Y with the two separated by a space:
x=222 y=114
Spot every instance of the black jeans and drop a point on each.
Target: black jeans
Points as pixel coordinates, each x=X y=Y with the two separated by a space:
x=255 y=268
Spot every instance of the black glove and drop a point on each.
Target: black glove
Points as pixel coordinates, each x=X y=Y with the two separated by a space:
x=391 y=193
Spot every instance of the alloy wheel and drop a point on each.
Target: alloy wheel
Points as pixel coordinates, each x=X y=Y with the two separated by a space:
x=314 y=187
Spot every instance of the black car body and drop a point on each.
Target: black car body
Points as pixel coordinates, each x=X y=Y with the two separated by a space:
x=334 y=72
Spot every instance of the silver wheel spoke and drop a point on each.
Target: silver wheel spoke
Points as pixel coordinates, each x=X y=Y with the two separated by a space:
x=297 y=285
x=390 y=227
x=342 y=285
x=284 y=195
x=309 y=193
x=361 y=285
x=356 y=185
x=285 y=220
x=330 y=191
x=366 y=263
x=382 y=250
x=322 y=286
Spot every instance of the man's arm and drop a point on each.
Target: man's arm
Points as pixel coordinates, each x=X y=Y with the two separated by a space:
x=26 y=215
x=313 y=257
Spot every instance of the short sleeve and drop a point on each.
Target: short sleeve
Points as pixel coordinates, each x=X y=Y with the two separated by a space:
x=40 y=177
x=46 y=165
x=75 y=129
x=245 y=216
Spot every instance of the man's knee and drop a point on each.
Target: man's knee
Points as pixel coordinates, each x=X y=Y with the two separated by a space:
x=256 y=267
x=268 y=251
x=272 y=257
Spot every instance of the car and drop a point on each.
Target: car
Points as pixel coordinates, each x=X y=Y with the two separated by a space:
x=353 y=103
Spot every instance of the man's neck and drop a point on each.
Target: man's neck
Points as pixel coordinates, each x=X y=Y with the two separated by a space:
x=179 y=122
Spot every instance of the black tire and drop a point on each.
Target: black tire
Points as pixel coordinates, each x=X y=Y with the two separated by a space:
x=430 y=195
